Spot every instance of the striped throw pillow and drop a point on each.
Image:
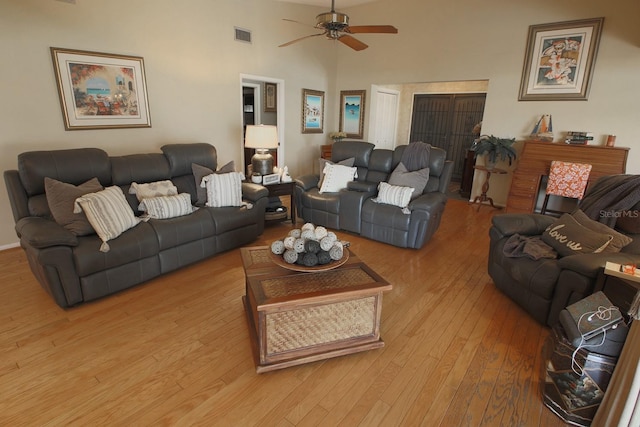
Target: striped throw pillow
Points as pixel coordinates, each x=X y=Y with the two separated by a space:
x=165 y=207
x=394 y=195
x=152 y=189
x=224 y=189
x=108 y=213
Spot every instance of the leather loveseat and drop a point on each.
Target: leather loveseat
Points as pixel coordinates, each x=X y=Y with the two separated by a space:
x=73 y=270
x=545 y=286
x=353 y=209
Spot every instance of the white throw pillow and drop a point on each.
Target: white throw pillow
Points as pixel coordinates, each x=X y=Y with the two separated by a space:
x=336 y=177
x=416 y=179
x=165 y=207
x=108 y=213
x=152 y=189
x=323 y=162
x=224 y=189
x=399 y=196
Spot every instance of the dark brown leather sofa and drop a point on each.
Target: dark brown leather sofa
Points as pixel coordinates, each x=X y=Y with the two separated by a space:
x=73 y=270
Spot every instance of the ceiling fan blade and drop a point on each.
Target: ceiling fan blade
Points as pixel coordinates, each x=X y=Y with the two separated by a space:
x=352 y=42
x=297 y=22
x=301 y=38
x=383 y=29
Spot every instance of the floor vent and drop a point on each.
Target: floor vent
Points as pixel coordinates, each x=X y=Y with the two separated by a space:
x=243 y=35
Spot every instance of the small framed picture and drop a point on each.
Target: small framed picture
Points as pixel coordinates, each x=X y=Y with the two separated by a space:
x=352 y=113
x=272 y=178
x=270 y=97
x=312 y=111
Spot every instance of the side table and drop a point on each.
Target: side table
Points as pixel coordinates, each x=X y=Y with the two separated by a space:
x=485 y=187
x=284 y=189
x=621 y=288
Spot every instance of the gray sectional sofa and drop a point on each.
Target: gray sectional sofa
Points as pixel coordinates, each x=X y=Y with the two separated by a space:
x=354 y=210
x=72 y=269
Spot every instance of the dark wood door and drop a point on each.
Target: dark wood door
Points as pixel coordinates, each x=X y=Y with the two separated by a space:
x=446 y=121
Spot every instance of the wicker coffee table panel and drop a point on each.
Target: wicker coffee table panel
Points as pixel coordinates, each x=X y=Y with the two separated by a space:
x=306 y=327
x=297 y=318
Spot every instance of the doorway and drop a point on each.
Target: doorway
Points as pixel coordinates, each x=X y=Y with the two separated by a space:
x=447 y=121
x=253 y=89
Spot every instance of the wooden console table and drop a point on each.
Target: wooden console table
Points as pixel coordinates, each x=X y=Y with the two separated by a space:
x=536 y=158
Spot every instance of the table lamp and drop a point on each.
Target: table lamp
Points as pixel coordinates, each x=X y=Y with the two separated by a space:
x=262 y=138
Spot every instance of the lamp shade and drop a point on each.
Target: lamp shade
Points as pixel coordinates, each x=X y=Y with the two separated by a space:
x=261 y=137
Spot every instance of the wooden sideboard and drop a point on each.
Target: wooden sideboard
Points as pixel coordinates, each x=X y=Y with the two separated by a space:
x=536 y=157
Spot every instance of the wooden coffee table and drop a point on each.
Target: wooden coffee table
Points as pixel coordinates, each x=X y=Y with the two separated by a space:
x=299 y=317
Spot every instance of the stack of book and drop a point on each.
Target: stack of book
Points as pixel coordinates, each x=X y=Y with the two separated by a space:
x=578 y=138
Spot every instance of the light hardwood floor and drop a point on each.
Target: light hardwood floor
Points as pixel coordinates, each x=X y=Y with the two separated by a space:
x=176 y=351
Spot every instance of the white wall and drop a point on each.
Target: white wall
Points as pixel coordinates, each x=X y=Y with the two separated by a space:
x=450 y=41
x=193 y=67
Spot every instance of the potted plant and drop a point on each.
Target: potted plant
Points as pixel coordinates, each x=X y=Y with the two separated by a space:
x=494 y=149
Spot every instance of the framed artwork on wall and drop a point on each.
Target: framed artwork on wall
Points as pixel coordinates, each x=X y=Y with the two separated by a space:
x=559 y=60
x=352 y=113
x=101 y=90
x=270 y=97
x=312 y=111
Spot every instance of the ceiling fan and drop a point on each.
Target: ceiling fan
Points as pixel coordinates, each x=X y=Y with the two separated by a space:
x=336 y=27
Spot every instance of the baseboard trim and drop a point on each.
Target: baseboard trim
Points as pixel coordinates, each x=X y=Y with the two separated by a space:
x=10 y=246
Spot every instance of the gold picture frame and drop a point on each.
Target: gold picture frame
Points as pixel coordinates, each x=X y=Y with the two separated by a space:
x=559 y=60
x=312 y=111
x=101 y=90
x=270 y=98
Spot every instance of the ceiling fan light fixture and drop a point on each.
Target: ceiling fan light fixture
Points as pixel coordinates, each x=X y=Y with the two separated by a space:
x=332 y=21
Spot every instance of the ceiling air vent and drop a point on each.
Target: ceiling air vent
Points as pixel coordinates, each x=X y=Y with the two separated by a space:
x=243 y=35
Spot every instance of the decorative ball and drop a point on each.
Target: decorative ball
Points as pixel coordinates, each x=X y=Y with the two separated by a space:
x=289 y=241
x=312 y=246
x=310 y=259
x=324 y=257
x=308 y=235
x=326 y=243
x=308 y=226
x=336 y=251
x=295 y=233
x=332 y=236
x=277 y=247
x=298 y=245
x=320 y=232
x=290 y=256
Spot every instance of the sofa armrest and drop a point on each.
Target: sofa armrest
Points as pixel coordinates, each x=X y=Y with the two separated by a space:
x=306 y=182
x=43 y=233
x=525 y=224
x=363 y=186
x=591 y=264
x=253 y=192
x=428 y=201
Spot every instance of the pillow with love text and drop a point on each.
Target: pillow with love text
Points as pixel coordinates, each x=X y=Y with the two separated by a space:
x=568 y=237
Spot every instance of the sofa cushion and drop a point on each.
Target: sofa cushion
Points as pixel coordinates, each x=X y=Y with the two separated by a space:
x=416 y=179
x=323 y=162
x=165 y=207
x=223 y=189
x=179 y=230
x=619 y=240
x=568 y=237
x=394 y=195
x=200 y=172
x=152 y=189
x=108 y=212
x=61 y=197
x=336 y=177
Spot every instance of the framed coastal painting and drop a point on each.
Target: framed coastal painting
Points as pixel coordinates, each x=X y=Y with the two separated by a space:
x=101 y=90
x=312 y=111
x=559 y=60
x=352 y=113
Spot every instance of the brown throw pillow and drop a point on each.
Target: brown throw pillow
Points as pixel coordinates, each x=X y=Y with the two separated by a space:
x=568 y=237
x=61 y=197
x=619 y=240
x=200 y=172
